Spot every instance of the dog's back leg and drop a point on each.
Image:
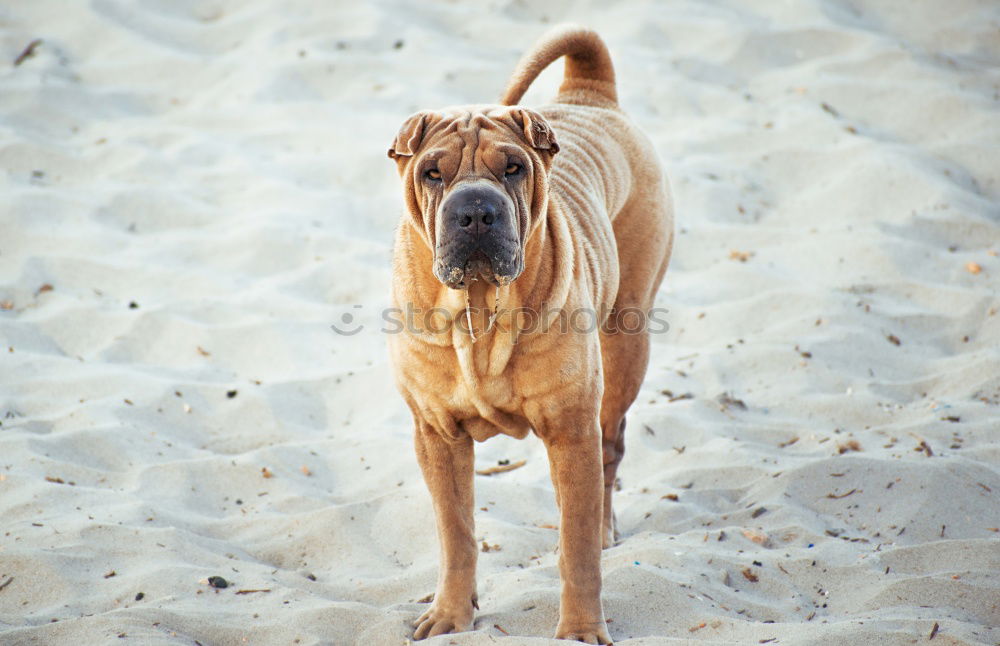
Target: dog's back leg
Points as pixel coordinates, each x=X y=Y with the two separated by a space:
x=625 y=357
x=644 y=235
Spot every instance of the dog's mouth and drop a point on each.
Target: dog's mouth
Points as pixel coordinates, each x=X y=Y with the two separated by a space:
x=478 y=266
x=496 y=272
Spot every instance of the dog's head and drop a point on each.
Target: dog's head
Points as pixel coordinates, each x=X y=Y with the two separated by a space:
x=476 y=184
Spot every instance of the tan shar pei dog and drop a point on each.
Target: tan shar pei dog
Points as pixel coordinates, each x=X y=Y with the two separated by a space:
x=533 y=244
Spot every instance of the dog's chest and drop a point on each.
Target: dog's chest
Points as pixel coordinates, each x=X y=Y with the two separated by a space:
x=487 y=404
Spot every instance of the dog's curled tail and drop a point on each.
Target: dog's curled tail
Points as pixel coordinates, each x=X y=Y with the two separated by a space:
x=588 y=65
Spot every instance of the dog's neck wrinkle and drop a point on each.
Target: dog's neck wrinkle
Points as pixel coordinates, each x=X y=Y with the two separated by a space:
x=478 y=356
x=482 y=295
x=424 y=288
x=482 y=299
x=547 y=284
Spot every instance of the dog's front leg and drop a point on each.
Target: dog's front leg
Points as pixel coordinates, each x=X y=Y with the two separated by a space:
x=575 y=460
x=447 y=466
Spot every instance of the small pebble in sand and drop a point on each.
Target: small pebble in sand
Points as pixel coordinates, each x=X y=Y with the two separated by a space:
x=218 y=582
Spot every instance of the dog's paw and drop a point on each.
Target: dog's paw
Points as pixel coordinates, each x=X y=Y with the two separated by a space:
x=609 y=537
x=439 y=621
x=609 y=532
x=586 y=633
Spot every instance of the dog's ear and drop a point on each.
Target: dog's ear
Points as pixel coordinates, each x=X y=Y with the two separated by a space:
x=410 y=135
x=537 y=130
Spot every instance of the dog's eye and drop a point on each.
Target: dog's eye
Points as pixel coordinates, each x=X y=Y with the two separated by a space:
x=512 y=169
x=433 y=175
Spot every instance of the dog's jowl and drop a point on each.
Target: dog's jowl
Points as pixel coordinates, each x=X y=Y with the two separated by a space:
x=520 y=225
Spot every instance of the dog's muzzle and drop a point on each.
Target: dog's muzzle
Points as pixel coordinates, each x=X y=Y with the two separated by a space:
x=477 y=237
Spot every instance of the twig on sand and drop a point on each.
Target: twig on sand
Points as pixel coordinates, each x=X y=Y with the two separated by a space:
x=252 y=591
x=501 y=468
x=6 y=583
x=28 y=52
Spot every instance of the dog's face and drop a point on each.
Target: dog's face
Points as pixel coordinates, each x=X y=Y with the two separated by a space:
x=476 y=184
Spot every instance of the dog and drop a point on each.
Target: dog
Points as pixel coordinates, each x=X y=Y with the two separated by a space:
x=516 y=222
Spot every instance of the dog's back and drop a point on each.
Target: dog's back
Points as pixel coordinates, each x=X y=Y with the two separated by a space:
x=606 y=165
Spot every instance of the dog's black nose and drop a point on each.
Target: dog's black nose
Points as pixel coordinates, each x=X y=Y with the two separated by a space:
x=475 y=209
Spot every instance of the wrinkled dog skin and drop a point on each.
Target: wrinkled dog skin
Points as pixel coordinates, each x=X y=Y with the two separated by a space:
x=509 y=209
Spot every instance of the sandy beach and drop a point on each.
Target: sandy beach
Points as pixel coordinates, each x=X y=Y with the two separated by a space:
x=193 y=193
